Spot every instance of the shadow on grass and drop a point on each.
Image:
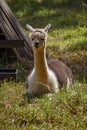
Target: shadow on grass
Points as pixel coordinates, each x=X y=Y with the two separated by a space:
x=59 y=13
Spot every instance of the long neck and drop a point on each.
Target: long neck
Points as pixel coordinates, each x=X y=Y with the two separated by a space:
x=40 y=62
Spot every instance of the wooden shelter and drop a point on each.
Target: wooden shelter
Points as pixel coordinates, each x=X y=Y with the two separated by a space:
x=12 y=34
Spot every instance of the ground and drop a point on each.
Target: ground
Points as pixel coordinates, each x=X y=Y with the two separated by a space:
x=66 y=110
x=67 y=41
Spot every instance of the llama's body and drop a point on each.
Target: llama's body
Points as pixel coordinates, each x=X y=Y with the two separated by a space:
x=42 y=79
x=62 y=72
x=46 y=75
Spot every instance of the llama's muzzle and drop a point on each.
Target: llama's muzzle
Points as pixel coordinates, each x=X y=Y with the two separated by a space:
x=36 y=44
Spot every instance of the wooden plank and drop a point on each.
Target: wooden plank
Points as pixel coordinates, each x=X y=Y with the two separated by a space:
x=17 y=53
x=17 y=27
x=10 y=36
x=11 y=43
x=25 y=51
x=6 y=29
x=2 y=27
x=7 y=25
x=17 y=32
x=22 y=53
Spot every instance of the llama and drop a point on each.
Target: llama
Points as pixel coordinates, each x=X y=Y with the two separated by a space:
x=47 y=75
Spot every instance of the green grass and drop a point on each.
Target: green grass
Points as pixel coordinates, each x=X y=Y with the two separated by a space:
x=59 y=12
x=67 y=41
x=66 y=110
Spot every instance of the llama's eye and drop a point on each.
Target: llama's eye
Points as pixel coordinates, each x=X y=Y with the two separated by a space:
x=42 y=39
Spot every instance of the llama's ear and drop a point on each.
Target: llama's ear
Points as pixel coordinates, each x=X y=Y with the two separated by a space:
x=47 y=27
x=30 y=28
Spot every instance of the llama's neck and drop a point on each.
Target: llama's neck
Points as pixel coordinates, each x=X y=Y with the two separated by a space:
x=40 y=62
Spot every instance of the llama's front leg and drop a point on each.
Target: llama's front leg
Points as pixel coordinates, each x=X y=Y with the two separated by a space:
x=28 y=90
x=28 y=94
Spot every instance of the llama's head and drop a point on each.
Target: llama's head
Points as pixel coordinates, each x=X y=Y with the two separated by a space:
x=38 y=36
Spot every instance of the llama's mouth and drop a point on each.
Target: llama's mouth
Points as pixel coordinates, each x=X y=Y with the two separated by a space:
x=36 y=46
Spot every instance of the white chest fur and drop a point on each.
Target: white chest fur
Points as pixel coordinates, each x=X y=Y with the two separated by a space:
x=37 y=84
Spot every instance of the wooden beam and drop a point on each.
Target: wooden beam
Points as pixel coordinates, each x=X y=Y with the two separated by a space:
x=13 y=31
x=17 y=26
x=11 y=43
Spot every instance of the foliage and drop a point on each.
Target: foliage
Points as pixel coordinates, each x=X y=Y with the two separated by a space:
x=69 y=26
x=59 y=12
x=64 y=110
x=6 y=57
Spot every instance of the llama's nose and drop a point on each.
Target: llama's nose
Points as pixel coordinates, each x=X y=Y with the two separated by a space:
x=36 y=44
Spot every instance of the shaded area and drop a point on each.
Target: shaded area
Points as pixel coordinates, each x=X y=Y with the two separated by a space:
x=13 y=31
x=59 y=12
x=7 y=56
x=62 y=14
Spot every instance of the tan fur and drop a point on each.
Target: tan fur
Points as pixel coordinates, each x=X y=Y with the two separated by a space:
x=45 y=76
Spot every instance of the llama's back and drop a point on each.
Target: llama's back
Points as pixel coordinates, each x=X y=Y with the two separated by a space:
x=62 y=71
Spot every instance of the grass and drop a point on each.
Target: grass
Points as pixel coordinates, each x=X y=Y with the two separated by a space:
x=64 y=110
x=67 y=38
x=67 y=41
x=70 y=46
